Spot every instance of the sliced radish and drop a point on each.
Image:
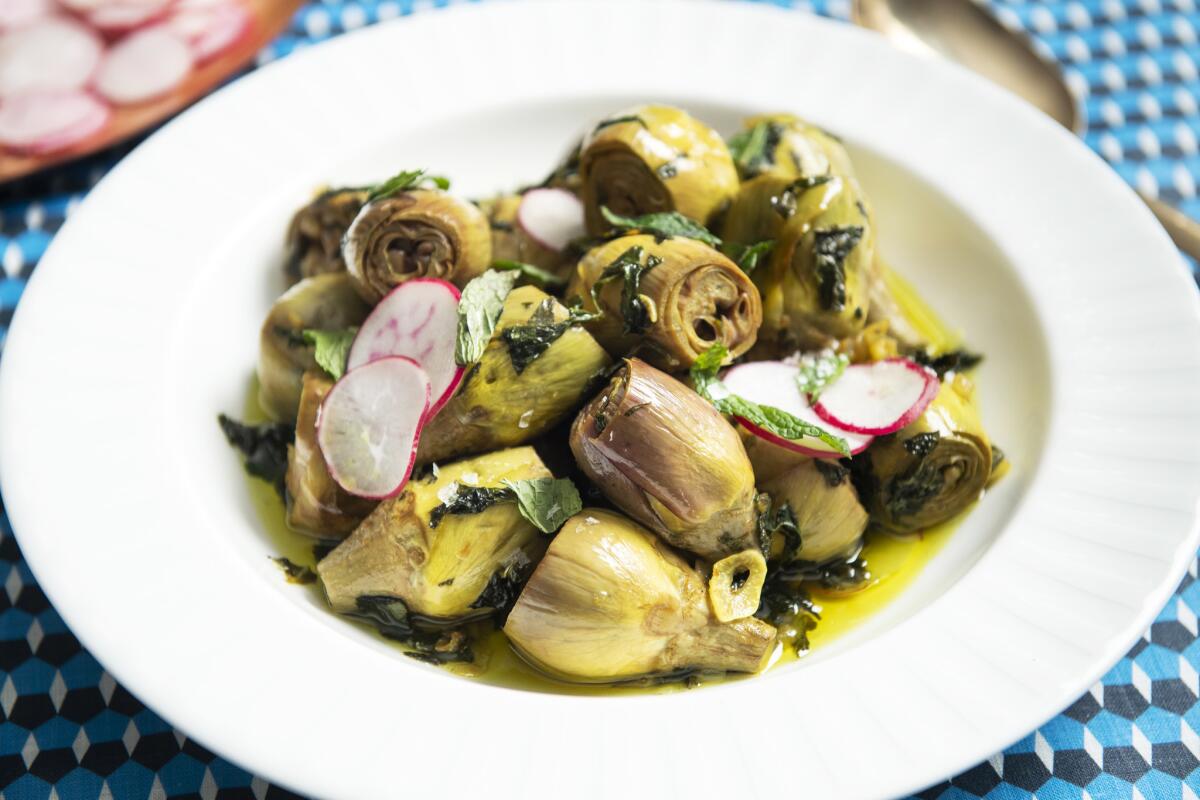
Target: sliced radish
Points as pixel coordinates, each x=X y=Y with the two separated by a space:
x=54 y=54
x=211 y=27
x=773 y=383
x=19 y=13
x=122 y=17
x=551 y=217
x=878 y=398
x=45 y=122
x=144 y=65
x=417 y=319
x=369 y=424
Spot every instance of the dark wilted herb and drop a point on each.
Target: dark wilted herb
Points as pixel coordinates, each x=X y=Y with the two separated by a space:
x=296 y=573
x=391 y=617
x=263 y=447
x=468 y=500
x=833 y=472
x=784 y=204
x=604 y=123
x=629 y=269
x=830 y=248
x=922 y=444
x=954 y=361
x=773 y=520
x=529 y=341
x=753 y=150
x=545 y=502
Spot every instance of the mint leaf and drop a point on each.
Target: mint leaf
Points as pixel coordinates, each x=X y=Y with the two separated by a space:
x=546 y=502
x=535 y=275
x=402 y=182
x=816 y=371
x=777 y=421
x=637 y=310
x=748 y=256
x=663 y=224
x=753 y=150
x=478 y=309
x=331 y=348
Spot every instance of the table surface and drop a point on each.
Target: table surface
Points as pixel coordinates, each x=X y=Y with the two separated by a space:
x=68 y=730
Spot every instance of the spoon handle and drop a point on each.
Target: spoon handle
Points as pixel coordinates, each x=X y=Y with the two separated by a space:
x=1182 y=229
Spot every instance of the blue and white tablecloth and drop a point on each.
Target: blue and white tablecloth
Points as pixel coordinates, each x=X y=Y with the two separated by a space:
x=68 y=730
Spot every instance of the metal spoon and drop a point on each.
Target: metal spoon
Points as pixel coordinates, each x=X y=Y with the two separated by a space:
x=965 y=32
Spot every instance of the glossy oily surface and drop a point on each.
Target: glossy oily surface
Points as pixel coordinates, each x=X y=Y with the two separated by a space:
x=1085 y=357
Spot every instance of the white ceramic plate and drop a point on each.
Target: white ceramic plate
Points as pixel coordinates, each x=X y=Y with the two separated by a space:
x=141 y=323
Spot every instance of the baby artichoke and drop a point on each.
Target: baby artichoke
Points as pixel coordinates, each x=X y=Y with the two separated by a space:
x=322 y=302
x=611 y=602
x=667 y=301
x=418 y=233
x=667 y=458
x=815 y=285
x=933 y=469
x=829 y=519
x=438 y=563
x=499 y=405
x=316 y=505
x=655 y=158
x=314 y=237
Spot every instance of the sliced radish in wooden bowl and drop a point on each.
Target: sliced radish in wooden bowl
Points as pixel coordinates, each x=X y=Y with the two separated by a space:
x=18 y=13
x=551 y=217
x=44 y=122
x=144 y=65
x=773 y=383
x=369 y=424
x=418 y=319
x=53 y=54
x=878 y=398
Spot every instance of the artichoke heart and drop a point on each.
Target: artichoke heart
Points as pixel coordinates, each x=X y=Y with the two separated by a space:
x=655 y=158
x=323 y=302
x=689 y=297
x=815 y=285
x=612 y=602
x=438 y=568
x=828 y=516
x=422 y=233
x=667 y=458
x=497 y=406
x=933 y=469
x=314 y=237
x=316 y=505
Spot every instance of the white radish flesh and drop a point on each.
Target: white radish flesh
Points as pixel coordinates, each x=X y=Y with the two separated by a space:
x=45 y=122
x=551 y=217
x=19 y=13
x=773 y=383
x=417 y=319
x=144 y=65
x=369 y=423
x=54 y=54
x=878 y=398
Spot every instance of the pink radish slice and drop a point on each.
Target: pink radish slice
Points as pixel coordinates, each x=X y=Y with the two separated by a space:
x=417 y=319
x=54 y=54
x=369 y=423
x=45 y=122
x=773 y=383
x=18 y=13
x=551 y=217
x=878 y=398
x=144 y=65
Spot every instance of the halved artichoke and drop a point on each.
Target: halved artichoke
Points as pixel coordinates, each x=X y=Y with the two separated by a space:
x=655 y=158
x=933 y=469
x=314 y=237
x=688 y=297
x=829 y=517
x=324 y=302
x=667 y=458
x=438 y=567
x=497 y=406
x=611 y=602
x=316 y=505
x=418 y=233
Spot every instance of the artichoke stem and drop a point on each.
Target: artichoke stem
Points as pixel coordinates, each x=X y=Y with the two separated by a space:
x=744 y=645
